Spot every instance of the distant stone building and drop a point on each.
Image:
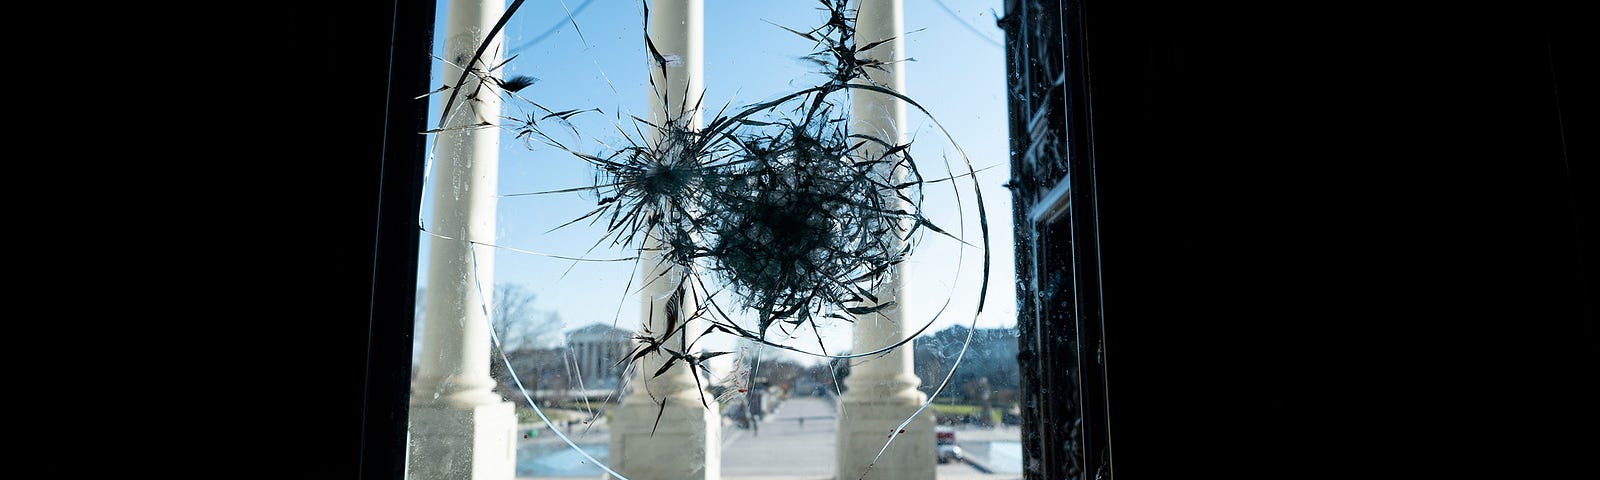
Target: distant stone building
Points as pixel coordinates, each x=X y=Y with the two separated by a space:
x=595 y=351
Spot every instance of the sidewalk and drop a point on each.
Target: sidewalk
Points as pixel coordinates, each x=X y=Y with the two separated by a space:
x=783 y=446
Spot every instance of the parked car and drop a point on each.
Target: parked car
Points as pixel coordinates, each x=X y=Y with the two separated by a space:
x=945 y=440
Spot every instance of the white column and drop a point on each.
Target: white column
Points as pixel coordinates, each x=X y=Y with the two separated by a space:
x=612 y=355
x=685 y=442
x=596 y=371
x=883 y=389
x=461 y=429
x=587 y=362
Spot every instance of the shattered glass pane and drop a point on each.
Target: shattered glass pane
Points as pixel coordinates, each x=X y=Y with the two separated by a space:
x=664 y=273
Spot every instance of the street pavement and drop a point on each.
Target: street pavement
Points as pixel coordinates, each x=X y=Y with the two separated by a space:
x=784 y=448
x=797 y=443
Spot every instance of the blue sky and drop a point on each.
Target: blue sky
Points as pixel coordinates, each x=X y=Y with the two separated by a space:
x=958 y=74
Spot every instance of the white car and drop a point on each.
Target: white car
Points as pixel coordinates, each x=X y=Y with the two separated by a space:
x=946 y=441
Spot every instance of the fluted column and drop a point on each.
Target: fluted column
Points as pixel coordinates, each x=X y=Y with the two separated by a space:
x=663 y=429
x=460 y=428
x=883 y=388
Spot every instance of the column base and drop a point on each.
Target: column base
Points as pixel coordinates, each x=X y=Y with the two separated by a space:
x=864 y=428
x=686 y=444
x=455 y=443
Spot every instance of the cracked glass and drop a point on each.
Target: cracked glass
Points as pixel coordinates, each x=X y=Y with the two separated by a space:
x=660 y=238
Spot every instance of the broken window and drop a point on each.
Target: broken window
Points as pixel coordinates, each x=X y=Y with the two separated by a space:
x=731 y=211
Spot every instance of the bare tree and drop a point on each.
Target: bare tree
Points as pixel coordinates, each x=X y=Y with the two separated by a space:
x=518 y=323
x=524 y=332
